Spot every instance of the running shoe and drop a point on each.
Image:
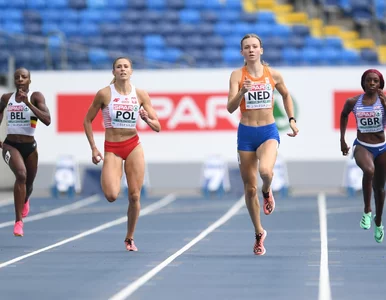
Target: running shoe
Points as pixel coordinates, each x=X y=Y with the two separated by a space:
x=258 y=248
x=18 y=229
x=130 y=246
x=366 y=221
x=25 y=209
x=269 y=203
x=378 y=232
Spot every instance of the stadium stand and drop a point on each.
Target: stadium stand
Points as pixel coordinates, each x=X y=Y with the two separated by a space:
x=87 y=34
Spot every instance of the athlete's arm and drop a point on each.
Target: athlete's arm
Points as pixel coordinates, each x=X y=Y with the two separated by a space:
x=39 y=108
x=148 y=114
x=235 y=95
x=347 y=109
x=93 y=110
x=282 y=89
x=287 y=100
x=3 y=104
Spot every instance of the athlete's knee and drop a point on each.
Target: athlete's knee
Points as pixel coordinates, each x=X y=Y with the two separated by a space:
x=250 y=191
x=134 y=196
x=21 y=175
x=111 y=196
x=368 y=171
x=266 y=173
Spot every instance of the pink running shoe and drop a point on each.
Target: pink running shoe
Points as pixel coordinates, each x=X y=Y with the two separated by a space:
x=25 y=209
x=258 y=248
x=130 y=246
x=269 y=204
x=18 y=229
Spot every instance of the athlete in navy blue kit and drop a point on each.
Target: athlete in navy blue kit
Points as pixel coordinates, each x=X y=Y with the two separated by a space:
x=369 y=147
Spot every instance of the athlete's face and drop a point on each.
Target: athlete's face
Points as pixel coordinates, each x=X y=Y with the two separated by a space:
x=22 y=79
x=122 y=69
x=251 y=49
x=372 y=82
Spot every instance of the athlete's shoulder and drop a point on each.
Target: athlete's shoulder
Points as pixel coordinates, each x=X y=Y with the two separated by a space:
x=354 y=99
x=104 y=92
x=236 y=74
x=6 y=97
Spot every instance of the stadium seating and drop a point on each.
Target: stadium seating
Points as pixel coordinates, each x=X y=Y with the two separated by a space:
x=180 y=33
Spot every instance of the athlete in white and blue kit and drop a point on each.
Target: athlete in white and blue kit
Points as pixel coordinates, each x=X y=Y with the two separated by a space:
x=369 y=147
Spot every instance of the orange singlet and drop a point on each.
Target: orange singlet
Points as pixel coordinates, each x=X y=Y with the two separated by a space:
x=260 y=96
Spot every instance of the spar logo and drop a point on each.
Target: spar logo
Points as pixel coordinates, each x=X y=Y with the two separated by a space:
x=279 y=113
x=175 y=111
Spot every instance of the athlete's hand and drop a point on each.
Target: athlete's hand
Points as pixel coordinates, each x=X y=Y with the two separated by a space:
x=247 y=85
x=23 y=96
x=144 y=115
x=295 y=130
x=382 y=97
x=344 y=148
x=96 y=156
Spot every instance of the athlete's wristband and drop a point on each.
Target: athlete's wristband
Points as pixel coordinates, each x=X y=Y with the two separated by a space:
x=292 y=118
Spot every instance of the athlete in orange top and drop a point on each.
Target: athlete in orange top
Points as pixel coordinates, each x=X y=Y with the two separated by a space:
x=251 y=88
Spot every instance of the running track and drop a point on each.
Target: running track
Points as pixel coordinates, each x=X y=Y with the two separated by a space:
x=190 y=248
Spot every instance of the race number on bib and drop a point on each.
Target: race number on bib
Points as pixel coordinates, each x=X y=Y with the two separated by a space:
x=259 y=96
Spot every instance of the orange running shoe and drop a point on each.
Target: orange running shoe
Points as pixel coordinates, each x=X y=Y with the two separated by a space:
x=269 y=203
x=18 y=229
x=130 y=246
x=258 y=248
x=25 y=209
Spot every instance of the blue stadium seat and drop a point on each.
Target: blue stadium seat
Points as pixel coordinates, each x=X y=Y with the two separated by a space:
x=36 y=4
x=19 y=4
x=190 y=16
x=156 y=4
x=77 y=4
x=97 y=3
x=213 y=5
x=232 y=56
x=350 y=57
x=266 y=17
x=31 y=16
x=171 y=16
x=98 y=56
x=175 y=4
x=118 y=4
x=312 y=56
x=248 y=17
x=154 y=42
x=195 y=4
x=11 y=15
x=172 y=55
x=138 y=4
x=223 y=29
x=175 y=41
x=228 y=16
x=208 y=16
x=33 y=29
x=57 y=4
x=333 y=42
x=13 y=27
x=300 y=30
x=292 y=56
x=331 y=56
x=369 y=56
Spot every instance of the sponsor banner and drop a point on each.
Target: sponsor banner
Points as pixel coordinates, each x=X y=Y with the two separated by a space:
x=191 y=106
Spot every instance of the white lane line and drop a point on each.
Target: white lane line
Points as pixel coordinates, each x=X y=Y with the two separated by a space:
x=324 y=274
x=132 y=287
x=147 y=210
x=6 y=202
x=56 y=211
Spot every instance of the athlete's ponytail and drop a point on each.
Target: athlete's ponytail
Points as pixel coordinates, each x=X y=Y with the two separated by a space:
x=113 y=80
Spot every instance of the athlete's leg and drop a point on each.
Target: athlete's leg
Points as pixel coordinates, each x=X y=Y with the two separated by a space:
x=16 y=163
x=379 y=186
x=266 y=154
x=31 y=163
x=248 y=170
x=135 y=172
x=111 y=176
x=364 y=160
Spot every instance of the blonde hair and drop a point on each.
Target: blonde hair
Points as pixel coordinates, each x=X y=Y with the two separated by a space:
x=115 y=61
x=252 y=35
